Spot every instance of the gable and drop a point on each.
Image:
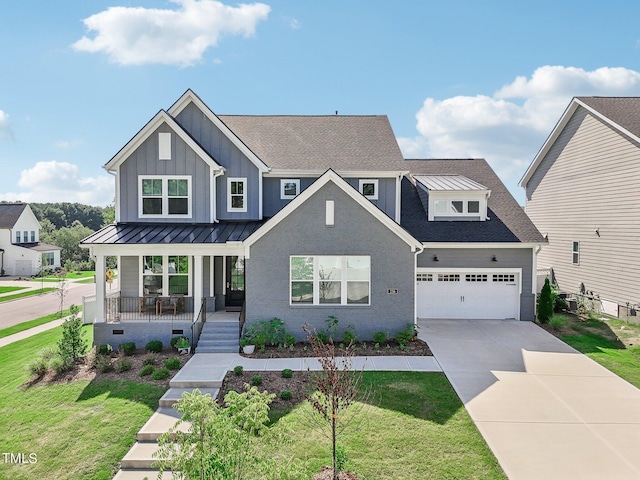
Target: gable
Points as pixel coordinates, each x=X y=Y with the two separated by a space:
x=10 y=213
x=333 y=179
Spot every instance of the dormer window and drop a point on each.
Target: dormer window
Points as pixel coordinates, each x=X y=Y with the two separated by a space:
x=453 y=197
x=289 y=188
x=369 y=188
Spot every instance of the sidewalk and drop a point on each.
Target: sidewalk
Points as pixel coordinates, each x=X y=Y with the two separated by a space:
x=32 y=331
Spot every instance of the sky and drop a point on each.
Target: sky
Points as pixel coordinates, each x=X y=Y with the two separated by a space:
x=457 y=79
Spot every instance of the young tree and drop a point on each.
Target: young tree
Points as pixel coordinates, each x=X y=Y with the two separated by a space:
x=61 y=292
x=72 y=345
x=545 y=303
x=337 y=388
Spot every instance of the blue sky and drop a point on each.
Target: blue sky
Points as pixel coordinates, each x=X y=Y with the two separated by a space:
x=457 y=79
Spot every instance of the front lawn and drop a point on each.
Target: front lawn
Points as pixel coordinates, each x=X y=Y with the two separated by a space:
x=26 y=294
x=5 y=332
x=412 y=426
x=66 y=276
x=79 y=429
x=613 y=343
x=10 y=289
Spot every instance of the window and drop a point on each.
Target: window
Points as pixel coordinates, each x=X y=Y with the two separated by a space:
x=47 y=259
x=330 y=280
x=473 y=206
x=33 y=236
x=369 y=188
x=236 y=194
x=456 y=207
x=163 y=196
x=17 y=237
x=25 y=237
x=164 y=146
x=164 y=275
x=289 y=188
x=330 y=218
x=424 y=277
x=576 y=253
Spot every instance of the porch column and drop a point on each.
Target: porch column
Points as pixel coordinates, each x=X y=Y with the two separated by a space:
x=197 y=285
x=101 y=286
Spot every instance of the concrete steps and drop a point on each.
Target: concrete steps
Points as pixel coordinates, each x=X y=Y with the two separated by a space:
x=140 y=456
x=172 y=395
x=160 y=422
x=141 y=474
x=219 y=337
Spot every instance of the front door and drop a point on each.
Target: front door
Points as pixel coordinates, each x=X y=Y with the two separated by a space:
x=235 y=282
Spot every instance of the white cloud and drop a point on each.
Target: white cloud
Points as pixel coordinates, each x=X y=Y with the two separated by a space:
x=61 y=182
x=67 y=144
x=138 y=36
x=294 y=24
x=509 y=127
x=6 y=132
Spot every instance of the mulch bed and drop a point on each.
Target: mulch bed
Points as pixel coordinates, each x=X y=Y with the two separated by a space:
x=272 y=382
x=361 y=349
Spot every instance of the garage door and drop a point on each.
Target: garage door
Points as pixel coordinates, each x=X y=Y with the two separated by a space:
x=468 y=295
x=23 y=268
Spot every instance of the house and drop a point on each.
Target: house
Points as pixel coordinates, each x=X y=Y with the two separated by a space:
x=580 y=195
x=299 y=218
x=21 y=252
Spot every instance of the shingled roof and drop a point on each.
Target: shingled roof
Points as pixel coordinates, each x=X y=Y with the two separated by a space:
x=507 y=220
x=10 y=213
x=624 y=111
x=339 y=142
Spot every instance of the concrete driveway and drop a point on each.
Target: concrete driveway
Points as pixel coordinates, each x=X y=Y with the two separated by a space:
x=545 y=410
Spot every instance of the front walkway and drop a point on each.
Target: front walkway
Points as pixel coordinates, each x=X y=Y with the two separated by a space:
x=546 y=410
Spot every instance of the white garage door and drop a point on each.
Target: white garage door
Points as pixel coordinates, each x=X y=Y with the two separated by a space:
x=468 y=295
x=23 y=268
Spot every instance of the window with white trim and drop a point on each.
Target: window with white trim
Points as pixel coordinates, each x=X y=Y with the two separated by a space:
x=330 y=280
x=236 y=194
x=369 y=188
x=575 y=253
x=165 y=275
x=48 y=258
x=164 y=146
x=33 y=236
x=17 y=236
x=289 y=188
x=165 y=196
x=25 y=237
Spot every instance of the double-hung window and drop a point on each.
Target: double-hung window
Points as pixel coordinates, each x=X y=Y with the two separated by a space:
x=48 y=259
x=330 y=280
x=236 y=194
x=17 y=236
x=33 y=236
x=165 y=275
x=165 y=196
x=576 y=253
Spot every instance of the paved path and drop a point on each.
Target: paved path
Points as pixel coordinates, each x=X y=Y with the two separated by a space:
x=31 y=331
x=546 y=410
x=21 y=310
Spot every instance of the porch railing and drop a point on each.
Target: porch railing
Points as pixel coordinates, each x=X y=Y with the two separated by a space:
x=198 y=323
x=120 y=308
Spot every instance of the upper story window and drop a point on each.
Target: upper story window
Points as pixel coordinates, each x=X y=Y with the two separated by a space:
x=18 y=236
x=453 y=197
x=165 y=196
x=576 y=253
x=456 y=207
x=289 y=188
x=236 y=194
x=369 y=188
x=33 y=236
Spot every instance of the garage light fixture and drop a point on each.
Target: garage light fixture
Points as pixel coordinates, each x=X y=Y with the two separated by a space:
x=494 y=259
x=435 y=258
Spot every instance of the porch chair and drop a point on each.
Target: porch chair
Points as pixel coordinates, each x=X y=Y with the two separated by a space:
x=148 y=304
x=173 y=304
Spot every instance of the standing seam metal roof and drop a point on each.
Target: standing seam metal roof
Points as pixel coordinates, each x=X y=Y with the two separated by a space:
x=448 y=182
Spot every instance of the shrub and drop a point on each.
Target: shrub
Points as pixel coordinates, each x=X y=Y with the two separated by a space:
x=175 y=340
x=286 y=395
x=545 y=303
x=72 y=345
x=557 y=322
x=61 y=365
x=39 y=366
x=128 y=348
x=349 y=336
x=341 y=458
x=379 y=337
x=161 y=374
x=105 y=349
x=122 y=364
x=172 y=363
x=323 y=337
x=154 y=346
x=289 y=340
x=560 y=305
x=405 y=336
x=150 y=359
x=103 y=364
x=145 y=370
x=287 y=373
x=256 y=380
x=238 y=370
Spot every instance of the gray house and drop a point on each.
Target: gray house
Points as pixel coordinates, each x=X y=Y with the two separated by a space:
x=581 y=197
x=299 y=218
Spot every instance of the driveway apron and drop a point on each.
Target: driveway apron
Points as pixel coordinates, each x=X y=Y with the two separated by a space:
x=545 y=410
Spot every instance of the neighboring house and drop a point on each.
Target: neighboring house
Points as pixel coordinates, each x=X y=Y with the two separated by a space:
x=581 y=195
x=302 y=217
x=21 y=252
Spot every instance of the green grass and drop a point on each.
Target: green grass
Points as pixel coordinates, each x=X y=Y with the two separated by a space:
x=414 y=426
x=78 y=430
x=10 y=289
x=612 y=343
x=5 y=332
x=67 y=276
x=30 y=293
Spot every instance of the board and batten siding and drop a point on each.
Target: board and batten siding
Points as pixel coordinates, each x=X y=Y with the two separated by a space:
x=129 y=276
x=356 y=232
x=471 y=258
x=226 y=154
x=184 y=161
x=587 y=182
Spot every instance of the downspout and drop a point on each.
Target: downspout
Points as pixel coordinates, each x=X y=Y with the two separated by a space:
x=534 y=279
x=117 y=198
x=415 y=284
x=214 y=194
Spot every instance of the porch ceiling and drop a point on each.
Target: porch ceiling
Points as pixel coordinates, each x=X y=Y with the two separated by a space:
x=163 y=234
